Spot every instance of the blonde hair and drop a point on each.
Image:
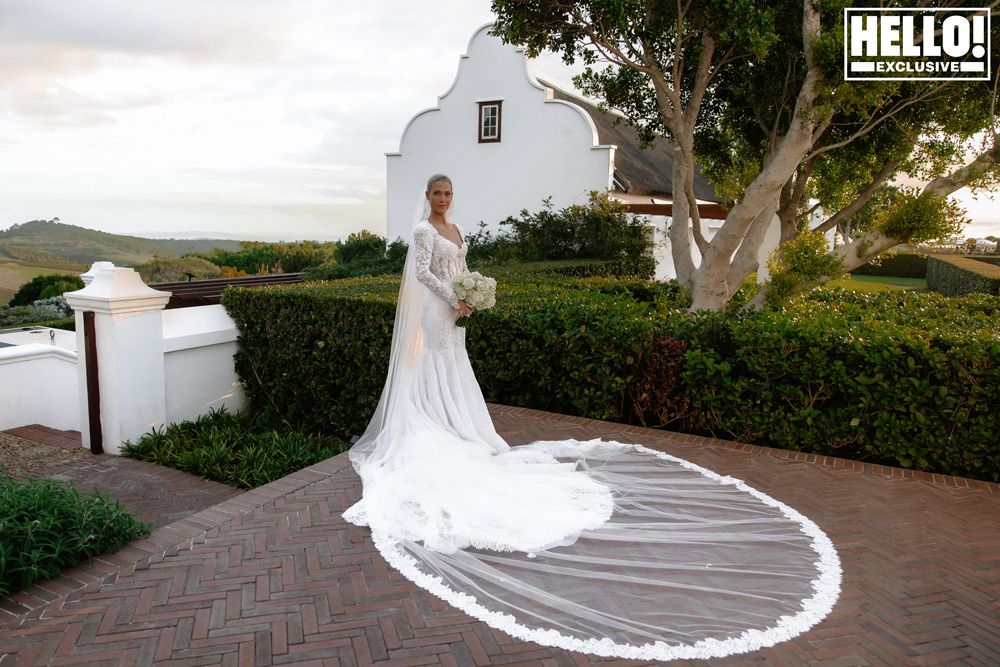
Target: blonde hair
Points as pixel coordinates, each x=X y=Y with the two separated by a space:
x=435 y=178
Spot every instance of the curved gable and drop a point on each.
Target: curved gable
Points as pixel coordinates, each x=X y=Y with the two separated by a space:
x=547 y=147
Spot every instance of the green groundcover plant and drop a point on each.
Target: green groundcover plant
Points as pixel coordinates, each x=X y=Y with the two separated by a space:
x=233 y=448
x=47 y=525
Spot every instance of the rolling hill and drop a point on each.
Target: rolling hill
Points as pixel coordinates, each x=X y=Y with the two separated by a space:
x=53 y=243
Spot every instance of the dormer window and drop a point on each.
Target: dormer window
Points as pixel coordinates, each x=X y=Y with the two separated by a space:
x=489 y=121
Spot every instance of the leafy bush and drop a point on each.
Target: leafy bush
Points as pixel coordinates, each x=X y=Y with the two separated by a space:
x=176 y=269
x=234 y=449
x=363 y=254
x=600 y=230
x=899 y=378
x=798 y=264
x=898 y=264
x=46 y=525
x=486 y=247
x=23 y=316
x=641 y=267
x=954 y=275
x=43 y=287
x=255 y=257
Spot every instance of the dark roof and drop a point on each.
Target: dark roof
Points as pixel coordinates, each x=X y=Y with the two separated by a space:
x=638 y=171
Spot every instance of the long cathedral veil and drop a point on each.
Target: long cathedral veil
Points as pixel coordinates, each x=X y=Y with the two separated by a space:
x=691 y=564
x=376 y=444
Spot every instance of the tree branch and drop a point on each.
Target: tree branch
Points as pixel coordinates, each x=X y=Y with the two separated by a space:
x=846 y=213
x=958 y=179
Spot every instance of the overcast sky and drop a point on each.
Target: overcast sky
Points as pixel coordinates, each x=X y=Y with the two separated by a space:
x=243 y=118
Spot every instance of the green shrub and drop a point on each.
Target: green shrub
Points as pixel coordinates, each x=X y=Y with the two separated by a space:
x=46 y=525
x=234 y=449
x=897 y=264
x=954 y=275
x=898 y=378
x=301 y=357
x=892 y=377
x=362 y=254
x=27 y=316
x=176 y=269
x=41 y=287
x=601 y=229
x=638 y=267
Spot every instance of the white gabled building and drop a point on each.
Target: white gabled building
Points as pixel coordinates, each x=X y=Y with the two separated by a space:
x=510 y=141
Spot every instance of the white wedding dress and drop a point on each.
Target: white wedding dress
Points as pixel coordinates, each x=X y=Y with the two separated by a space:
x=596 y=546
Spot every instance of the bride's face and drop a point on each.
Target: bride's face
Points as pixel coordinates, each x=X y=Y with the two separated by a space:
x=439 y=197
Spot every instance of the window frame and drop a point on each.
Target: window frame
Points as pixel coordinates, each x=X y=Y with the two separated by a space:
x=482 y=110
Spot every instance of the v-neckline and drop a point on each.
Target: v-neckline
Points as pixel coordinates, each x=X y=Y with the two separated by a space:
x=446 y=238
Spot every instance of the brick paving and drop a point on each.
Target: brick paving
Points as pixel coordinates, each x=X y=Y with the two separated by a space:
x=275 y=576
x=155 y=494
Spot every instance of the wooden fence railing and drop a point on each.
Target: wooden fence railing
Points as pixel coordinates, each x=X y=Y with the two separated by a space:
x=208 y=292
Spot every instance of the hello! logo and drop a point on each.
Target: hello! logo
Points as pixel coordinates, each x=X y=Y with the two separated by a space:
x=915 y=44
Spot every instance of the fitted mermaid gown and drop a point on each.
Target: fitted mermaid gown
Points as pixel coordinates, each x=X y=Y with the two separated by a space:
x=597 y=546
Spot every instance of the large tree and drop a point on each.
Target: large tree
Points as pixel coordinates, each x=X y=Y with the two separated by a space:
x=753 y=91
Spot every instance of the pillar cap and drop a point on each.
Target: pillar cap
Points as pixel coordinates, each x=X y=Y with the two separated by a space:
x=88 y=277
x=114 y=291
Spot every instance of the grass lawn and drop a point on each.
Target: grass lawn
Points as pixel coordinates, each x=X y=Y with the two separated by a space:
x=879 y=283
x=14 y=273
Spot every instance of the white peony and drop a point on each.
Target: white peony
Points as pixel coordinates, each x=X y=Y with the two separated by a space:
x=477 y=290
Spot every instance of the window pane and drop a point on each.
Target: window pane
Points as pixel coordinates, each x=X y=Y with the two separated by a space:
x=490 y=121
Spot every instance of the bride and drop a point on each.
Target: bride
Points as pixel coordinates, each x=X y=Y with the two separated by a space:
x=596 y=546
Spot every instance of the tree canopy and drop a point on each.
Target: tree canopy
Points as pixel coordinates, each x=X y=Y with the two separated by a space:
x=754 y=93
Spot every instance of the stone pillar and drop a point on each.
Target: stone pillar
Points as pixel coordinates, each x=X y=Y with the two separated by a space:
x=128 y=332
x=88 y=277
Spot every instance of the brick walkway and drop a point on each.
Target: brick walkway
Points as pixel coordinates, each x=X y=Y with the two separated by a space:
x=275 y=576
x=154 y=494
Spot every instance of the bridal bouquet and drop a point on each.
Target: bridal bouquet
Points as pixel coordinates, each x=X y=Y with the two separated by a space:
x=479 y=291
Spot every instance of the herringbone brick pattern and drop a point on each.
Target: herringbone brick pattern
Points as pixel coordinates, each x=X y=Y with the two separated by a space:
x=154 y=494
x=275 y=576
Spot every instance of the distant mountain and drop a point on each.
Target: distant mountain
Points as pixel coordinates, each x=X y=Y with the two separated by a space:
x=51 y=241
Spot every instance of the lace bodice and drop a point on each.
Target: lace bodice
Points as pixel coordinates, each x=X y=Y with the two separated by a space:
x=439 y=260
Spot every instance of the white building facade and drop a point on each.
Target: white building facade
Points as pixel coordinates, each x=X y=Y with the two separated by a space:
x=538 y=147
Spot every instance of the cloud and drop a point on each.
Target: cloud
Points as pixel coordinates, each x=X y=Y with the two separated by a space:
x=256 y=116
x=220 y=30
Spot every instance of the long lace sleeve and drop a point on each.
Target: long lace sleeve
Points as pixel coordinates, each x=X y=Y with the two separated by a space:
x=424 y=240
x=463 y=266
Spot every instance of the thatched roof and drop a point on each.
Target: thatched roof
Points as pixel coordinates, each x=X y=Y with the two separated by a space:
x=638 y=171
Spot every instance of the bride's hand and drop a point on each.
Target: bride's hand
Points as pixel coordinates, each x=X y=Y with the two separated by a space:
x=464 y=308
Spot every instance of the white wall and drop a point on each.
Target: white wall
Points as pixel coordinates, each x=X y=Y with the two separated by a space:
x=38 y=386
x=198 y=345
x=547 y=148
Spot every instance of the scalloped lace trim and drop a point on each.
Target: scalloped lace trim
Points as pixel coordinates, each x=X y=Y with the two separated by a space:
x=826 y=587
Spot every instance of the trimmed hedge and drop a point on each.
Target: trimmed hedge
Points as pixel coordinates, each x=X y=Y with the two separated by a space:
x=46 y=525
x=640 y=267
x=897 y=264
x=954 y=275
x=898 y=378
x=301 y=362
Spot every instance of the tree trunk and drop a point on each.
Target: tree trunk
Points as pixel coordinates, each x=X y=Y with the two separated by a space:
x=680 y=240
x=709 y=289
